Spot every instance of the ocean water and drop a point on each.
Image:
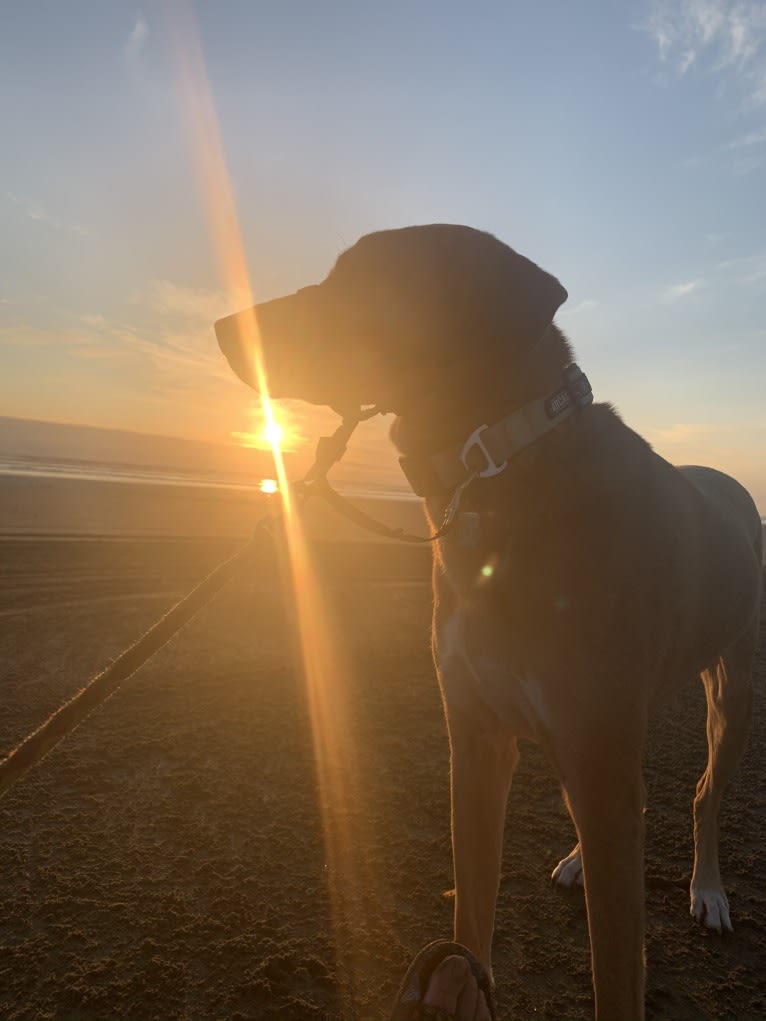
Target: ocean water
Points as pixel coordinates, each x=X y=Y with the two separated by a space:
x=131 y=474
x=170 y=501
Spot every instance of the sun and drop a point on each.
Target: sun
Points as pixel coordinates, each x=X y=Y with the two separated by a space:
x=272 y=429
x=273 y=433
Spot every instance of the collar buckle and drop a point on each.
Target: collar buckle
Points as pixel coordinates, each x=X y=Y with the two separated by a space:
x=475 y=442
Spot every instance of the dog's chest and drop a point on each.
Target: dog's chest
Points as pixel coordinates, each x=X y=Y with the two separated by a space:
x=475 y=662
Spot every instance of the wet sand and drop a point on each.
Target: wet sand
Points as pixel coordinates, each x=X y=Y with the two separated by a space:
x=167 y=860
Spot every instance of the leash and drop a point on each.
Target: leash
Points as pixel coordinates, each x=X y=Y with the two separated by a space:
x=33 y=748
x=364 y=520
x=330 y=449
x=63 y=721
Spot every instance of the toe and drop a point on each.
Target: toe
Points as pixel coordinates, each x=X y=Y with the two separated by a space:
x=483 y=1013
x=568 y=872
x=452 y=989
x=711 y=909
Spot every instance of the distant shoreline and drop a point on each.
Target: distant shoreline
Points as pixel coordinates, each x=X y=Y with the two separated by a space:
x=146 y=475
x=41 y=506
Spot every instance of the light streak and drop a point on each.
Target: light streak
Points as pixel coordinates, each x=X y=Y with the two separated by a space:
x=350 y=875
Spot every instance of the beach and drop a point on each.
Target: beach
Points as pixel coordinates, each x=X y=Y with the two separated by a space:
x=193 y=850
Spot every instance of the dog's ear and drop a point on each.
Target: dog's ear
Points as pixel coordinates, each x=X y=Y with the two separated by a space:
x=487 y=290
x=529 y=299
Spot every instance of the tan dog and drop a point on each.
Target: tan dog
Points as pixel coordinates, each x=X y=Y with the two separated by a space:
x=587 y=575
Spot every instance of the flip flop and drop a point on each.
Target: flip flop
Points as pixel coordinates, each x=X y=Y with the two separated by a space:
x=409 y=1005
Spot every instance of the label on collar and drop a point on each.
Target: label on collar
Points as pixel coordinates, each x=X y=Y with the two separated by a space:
x=558 y=403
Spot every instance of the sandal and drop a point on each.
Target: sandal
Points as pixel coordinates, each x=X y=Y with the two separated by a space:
x=409 y=1005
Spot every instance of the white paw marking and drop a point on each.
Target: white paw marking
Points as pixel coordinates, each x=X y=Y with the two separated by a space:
x=710 y=906
x=568 y=872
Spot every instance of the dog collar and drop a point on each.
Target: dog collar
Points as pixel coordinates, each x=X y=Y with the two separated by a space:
x=488 y=449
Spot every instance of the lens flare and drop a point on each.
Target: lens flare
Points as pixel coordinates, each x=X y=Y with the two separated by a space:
x=273 y=433
x=351 y=872
x=272 y=427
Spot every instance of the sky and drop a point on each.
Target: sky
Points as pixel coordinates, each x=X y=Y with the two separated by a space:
x=622 y=146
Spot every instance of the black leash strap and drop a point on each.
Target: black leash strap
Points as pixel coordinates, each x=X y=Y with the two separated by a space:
x=64 y=719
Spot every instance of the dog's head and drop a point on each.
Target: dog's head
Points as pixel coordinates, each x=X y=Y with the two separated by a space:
x=400 y=311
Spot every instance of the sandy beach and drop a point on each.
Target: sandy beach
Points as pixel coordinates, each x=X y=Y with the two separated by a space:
x=186 y=853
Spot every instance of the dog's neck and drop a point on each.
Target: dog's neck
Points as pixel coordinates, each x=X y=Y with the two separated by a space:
x=447 y=412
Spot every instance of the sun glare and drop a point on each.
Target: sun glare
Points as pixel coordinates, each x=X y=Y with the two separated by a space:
x=269 y=486
x=350 y=874
x=272 y=430
x=273 y=433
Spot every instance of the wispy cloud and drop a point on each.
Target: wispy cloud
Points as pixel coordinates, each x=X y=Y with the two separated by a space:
x=178 y=346
x=748 y=270
x=683 y=432
x=752 y=138
x=192 y=304
x=677 y=291
x=747 y=153
x=137 y=38
x=181 y=345
x=744 y=165
x=582 y=306
x=72 y=340
x=725 y=36
x=686 y=61
x=96 y=321
x=37 y=212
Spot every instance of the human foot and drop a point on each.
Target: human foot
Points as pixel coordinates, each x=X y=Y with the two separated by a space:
x=445 y=982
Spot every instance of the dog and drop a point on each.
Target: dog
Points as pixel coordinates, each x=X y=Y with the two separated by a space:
x=594 y=576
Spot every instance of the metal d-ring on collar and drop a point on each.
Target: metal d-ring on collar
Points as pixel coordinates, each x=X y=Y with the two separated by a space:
x=489 y=448
x=474 y=440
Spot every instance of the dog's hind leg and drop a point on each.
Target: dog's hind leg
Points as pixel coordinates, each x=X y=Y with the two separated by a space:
x=728 y=689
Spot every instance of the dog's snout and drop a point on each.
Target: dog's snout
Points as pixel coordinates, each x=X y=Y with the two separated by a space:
x=286 y=330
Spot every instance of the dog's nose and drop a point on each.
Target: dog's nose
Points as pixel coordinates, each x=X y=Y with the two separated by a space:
x=285 y=328
x=237 y=337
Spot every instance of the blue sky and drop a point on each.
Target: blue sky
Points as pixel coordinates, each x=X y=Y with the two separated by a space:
x=620 y=145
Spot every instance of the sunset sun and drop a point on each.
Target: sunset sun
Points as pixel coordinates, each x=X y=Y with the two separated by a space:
x=272 y=429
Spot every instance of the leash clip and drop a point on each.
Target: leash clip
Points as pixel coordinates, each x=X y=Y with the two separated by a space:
x=454 y=505
x=475 y=441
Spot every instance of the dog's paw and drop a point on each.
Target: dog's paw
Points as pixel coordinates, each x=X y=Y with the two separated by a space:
x=568 y=872
x=710 y=906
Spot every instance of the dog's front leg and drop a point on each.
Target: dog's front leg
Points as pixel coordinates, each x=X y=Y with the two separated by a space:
x=483 y=756
x=606 y=796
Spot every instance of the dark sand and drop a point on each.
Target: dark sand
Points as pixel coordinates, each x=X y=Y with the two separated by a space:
x=167 y=859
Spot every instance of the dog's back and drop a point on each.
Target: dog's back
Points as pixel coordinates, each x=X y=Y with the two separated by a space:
x=732 y=501
x=730 y=536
